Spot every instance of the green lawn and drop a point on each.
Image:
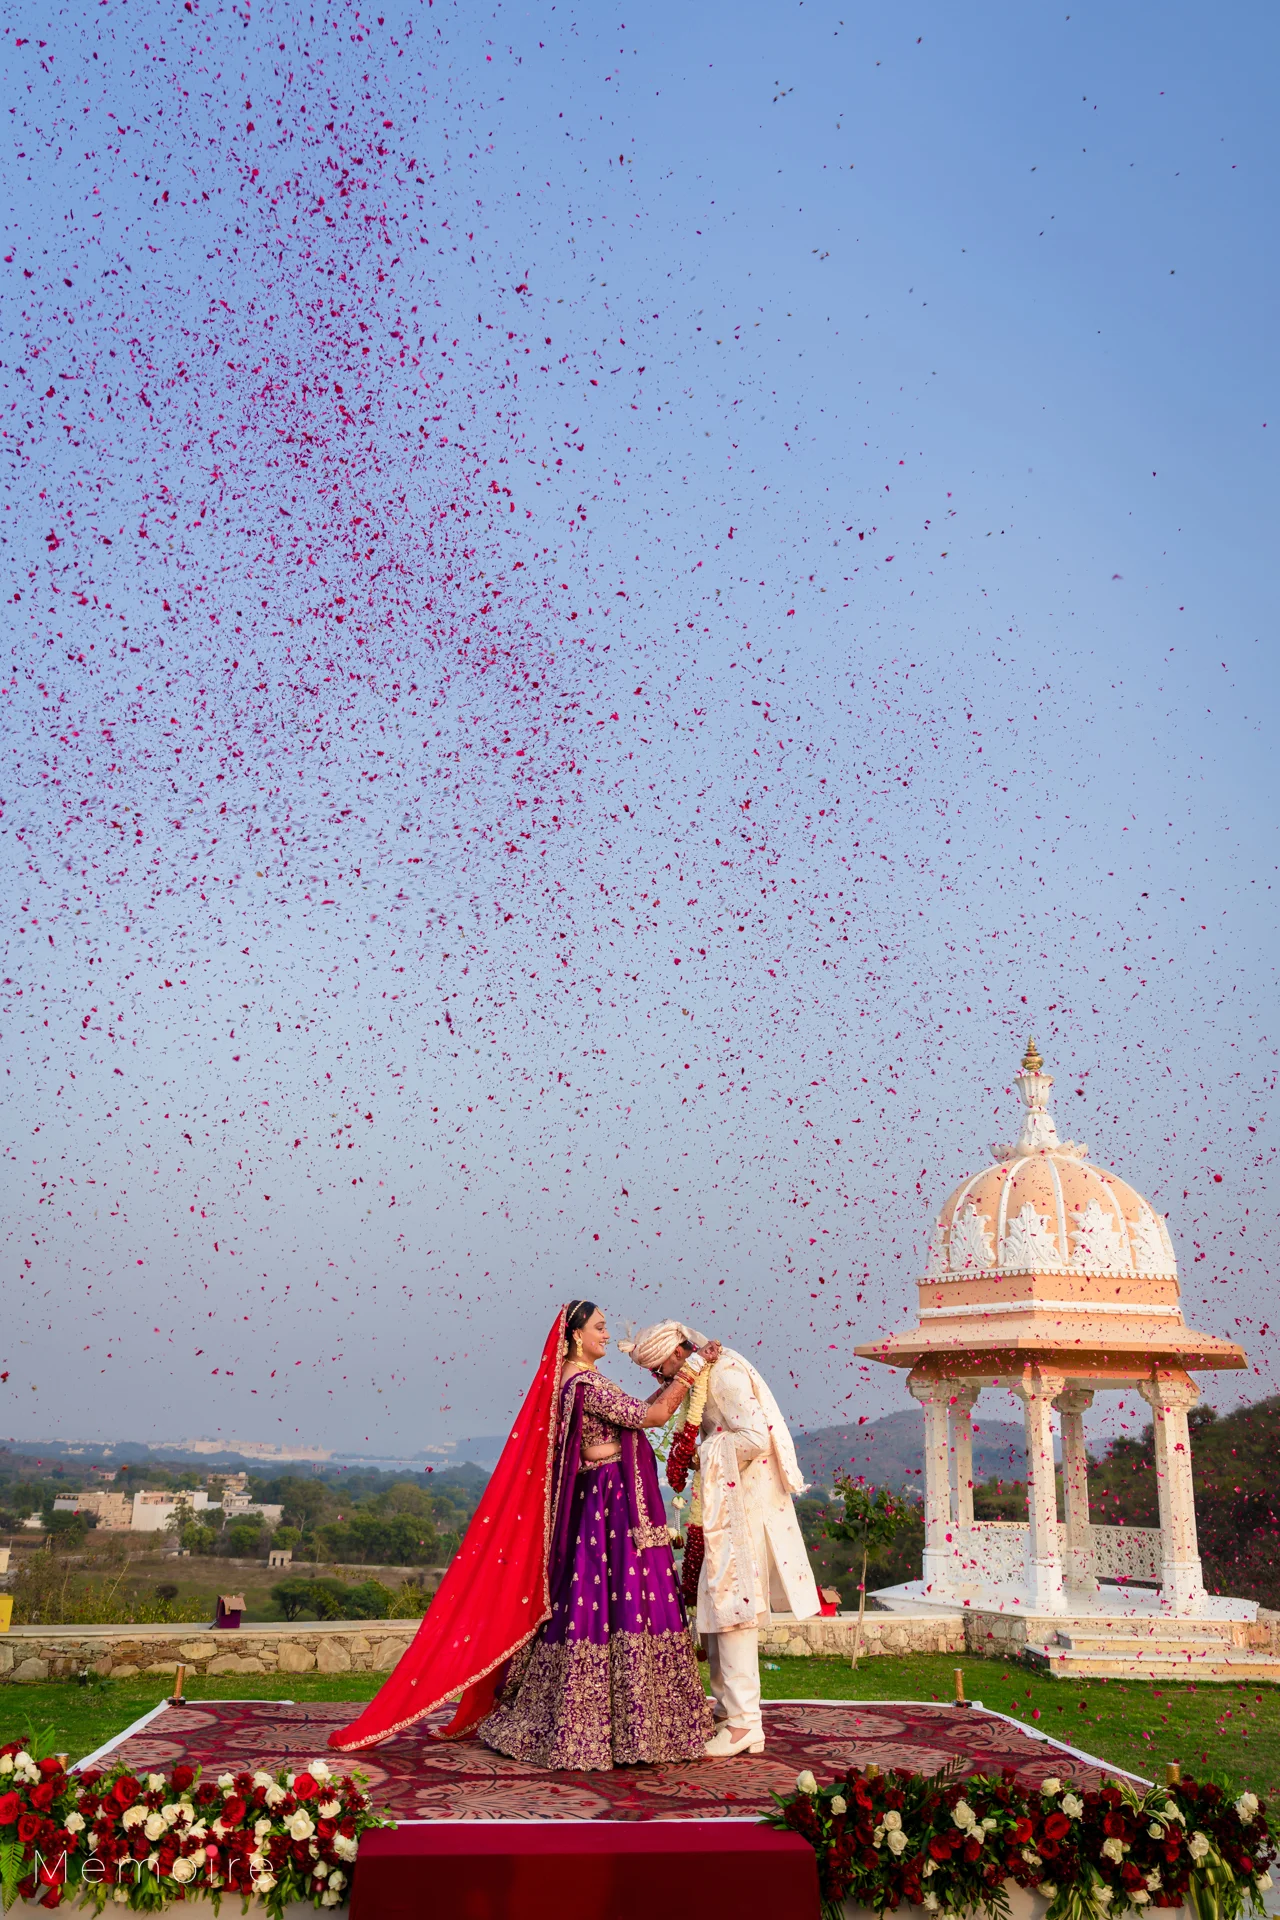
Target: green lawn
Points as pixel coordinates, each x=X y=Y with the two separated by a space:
x=1231 y=1730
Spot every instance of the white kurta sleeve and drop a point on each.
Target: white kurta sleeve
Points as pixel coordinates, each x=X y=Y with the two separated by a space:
x=739 y=1412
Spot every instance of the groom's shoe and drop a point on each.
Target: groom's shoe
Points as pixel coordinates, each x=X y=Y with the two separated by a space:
x=724 y=1743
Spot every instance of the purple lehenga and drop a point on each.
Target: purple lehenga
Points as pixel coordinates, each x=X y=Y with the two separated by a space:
x=611 y=1679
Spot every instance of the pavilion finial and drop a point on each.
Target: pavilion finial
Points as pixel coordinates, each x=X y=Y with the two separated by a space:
x=1031 y=1061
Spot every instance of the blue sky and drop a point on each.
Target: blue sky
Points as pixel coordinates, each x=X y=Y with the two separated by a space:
x=602 y=617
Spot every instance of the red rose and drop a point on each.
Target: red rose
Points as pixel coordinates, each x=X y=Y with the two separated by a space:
x=1057 y=1826
x=1022 y=1830
x=182 y=1777
x=940 y=1848
x=42 y=1796
x=50 y=1764
x=10 y=1808
x=972 y=1849
x=29 y=1826
x=305 y=1785
x=125 y=1790
x=233 y=1811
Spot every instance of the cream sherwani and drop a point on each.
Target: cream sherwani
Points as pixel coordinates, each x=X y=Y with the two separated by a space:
x=755 y=1559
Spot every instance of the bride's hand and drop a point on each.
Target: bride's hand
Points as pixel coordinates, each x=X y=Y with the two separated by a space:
x=711 y=1352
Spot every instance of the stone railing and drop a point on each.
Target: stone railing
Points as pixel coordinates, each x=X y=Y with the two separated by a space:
x=1126 y=1553
x=786 y=1636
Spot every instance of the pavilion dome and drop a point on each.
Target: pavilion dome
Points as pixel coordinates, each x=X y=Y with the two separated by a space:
x=1042 y=1207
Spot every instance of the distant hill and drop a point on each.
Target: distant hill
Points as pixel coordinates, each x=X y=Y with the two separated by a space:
x=889 y=1452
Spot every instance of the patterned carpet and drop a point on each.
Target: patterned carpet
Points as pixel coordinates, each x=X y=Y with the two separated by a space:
x=415 y=1778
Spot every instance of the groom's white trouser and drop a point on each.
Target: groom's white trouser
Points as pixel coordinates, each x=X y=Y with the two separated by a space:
x=734 y=1660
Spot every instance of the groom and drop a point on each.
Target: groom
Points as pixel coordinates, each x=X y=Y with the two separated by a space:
x=755 y=1557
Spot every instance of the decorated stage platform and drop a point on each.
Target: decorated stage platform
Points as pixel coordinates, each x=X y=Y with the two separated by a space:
x=416 y=1778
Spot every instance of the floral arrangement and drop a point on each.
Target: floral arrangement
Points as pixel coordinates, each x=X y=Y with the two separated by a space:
x=951 y=1845
x=144 y=1841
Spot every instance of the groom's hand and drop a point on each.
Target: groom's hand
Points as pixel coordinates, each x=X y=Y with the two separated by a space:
x=711 y=1352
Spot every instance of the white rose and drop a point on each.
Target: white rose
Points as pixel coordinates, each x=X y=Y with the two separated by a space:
x=1155 y=1830
x=1048 y=1889
x=186 y=1809
x=1153 y=1880
x=1171 y=1812
x=897 y=1839
x=22 y=1758
x=1140 y=1897
x=805 y=1782
x=1051 y=1786
x=345 y=1846
x=337 y=1879
x=265 y=1882
x=133 y=1816
x=330 y=1809
x=121 y=1896
x=1198 y=1845
x=319 y=1769
x=257 y=1860
x=892 y=1820
x=931 y=1903
x=198 y=1831
x=928 y=1870
x=877 y=1838
x=153 y=1861
x=6 y=1763
x=1072 y=1805
x=260 y=1827
x=1113 y=1849
x=838 y=1804
x=170 y=1813
x=261 y=1779
x=154 y=1782
x=153 y=1826
x=301 y=1826
x=1103 y=1895
x=989 y=1825
x=226 y=1781
x=1031 y=1857
x=1263 y=1883
x=183 y=1869
x=1246 y=1807
x=274 y=1795
x=963 y=1815
x=320 y=1869
x=330 y=1899
x=74 y=1823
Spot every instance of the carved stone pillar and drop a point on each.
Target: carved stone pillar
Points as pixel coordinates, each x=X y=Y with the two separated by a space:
x=1078 y=1565
x=962 y=1400
x=1045 y=1592
x=935 y=1397
x=1170 y=1399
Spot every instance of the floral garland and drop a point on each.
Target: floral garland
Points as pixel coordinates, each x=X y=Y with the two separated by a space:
x=142 y=1842
x=951 y=1845
x=686 y=1425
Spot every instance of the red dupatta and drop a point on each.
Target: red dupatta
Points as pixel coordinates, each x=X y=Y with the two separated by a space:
x=496 y=1593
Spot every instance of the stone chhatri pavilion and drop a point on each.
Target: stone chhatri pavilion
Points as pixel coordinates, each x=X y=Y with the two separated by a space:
x=1054 y=1278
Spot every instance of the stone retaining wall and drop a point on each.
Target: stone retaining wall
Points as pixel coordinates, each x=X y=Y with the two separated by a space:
x=30 y=1654
x=881 y=1633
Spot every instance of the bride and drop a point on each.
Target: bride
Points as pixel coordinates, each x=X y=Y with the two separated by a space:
x=560 y=1620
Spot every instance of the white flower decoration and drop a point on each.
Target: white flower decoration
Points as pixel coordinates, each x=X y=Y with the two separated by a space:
x=183 y=1869
x=1246 y=1807
x=1113 y=1849
x=74 y=1823
x=964 y=1816
x=805 y=1782
x=892 y=1820
x=1198 y=1845
x=838 y=1805
x=133 y=1816
x=300 y=1826
x=153 y=1826
x=1051 y=1786
x=1072 y=1805
x=897 y=1840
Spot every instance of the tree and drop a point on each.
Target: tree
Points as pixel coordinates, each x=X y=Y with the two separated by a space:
x=873 y=1518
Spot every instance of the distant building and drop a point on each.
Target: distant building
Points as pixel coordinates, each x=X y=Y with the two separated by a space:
x=113 y=1511
x=229 y=1482
x=235 y=1505
x=154 y=1508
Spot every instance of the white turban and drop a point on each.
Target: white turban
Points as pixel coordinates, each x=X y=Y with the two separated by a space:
x=652 y=1345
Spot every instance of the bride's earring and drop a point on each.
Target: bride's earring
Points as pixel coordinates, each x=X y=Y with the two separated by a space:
x=577 y=1345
